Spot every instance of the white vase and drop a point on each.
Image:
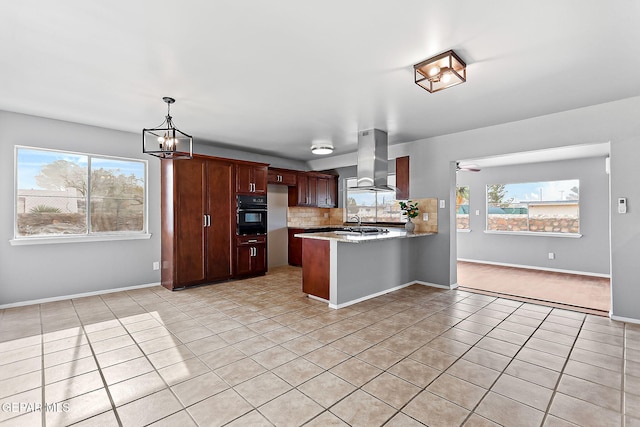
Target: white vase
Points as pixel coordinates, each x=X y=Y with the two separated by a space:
x=409 y=226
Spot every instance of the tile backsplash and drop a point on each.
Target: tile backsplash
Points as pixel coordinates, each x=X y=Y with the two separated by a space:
x=301 y=217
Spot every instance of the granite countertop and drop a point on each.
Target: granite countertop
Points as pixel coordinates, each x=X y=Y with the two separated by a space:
x=357 y=238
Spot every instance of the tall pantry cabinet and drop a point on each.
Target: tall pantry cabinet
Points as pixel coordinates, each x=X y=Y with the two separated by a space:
x=197 y=221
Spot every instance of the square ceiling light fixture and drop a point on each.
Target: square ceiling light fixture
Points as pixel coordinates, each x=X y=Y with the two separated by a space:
x=440 y=72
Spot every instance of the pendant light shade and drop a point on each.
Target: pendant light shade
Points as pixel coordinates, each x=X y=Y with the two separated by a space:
x=166 y=141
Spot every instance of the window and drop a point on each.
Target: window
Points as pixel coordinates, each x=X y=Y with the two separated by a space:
x=462 y=208
x=372 y=206
x=72 y=194
x=538 y=207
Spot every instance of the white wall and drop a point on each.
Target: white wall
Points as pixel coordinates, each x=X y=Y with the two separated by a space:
x=277 y=234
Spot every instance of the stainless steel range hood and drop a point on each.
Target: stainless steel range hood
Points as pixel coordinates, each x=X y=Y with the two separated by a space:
x=373 y=159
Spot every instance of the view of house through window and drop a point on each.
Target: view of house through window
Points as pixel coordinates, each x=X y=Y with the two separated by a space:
x=372 y=206
x=63 y=193
x=542 y=207
x=462 y=208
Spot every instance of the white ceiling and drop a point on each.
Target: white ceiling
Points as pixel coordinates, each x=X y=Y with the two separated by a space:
x=538 y=156
x=274 y=76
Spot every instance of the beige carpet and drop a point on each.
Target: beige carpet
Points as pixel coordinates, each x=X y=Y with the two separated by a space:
x=571 y=289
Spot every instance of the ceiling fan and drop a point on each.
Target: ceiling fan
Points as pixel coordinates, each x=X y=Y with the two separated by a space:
x=467 y=167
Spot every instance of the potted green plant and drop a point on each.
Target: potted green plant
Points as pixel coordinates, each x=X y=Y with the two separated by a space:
x=410 y=209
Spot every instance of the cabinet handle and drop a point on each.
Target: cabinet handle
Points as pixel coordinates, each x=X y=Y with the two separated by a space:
x=208 y=220
x=253 y=241
x=204 y=220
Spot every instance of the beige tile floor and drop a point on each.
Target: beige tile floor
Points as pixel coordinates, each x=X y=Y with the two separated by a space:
x=257 y=352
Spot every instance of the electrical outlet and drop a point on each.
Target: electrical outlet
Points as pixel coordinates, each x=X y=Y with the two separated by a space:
x=552 y=255
x=442 y=204
x=326 y=215
x=156 y=265
x=425 y=216
x=477 y=212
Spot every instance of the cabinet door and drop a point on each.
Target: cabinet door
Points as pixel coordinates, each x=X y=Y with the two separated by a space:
x=312 y=191
x=295 y=247
x=303 y=194
x=322 y=194
x=259 y=179
x=244 y=254
x=243 y=178
x=189 y=210
x=259 y=259
x=220 y=197
x=332 y=197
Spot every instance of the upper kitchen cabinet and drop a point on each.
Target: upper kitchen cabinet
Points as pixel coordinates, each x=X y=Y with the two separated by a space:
x=305 y=194
x=315 y=190
x=251 y=178
x=196 y=221
x=402 y=178
x=282 y=177
x=327 y=192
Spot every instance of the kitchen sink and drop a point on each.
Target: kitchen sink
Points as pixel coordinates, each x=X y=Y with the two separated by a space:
x=361 y=230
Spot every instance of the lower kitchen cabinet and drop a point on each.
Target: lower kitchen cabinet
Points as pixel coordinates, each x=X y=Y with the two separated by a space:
x=295 y=247
x=316 y=272
x=251 y=255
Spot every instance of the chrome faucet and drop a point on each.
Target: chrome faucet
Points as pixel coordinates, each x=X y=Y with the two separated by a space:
x=357 y=218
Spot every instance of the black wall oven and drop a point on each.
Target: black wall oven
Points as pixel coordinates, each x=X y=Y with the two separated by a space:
x=252 y=215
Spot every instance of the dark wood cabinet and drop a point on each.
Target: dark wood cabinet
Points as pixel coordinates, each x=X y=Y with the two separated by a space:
x=316 y=273
x=251 y=255
x=196 y=221
x=402 y=178
x=282 y=177
x=315 y=190
x=251 y=178
x=327 y=192
x=295 y=247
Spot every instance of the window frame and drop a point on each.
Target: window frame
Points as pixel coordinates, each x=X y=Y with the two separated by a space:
x=528 y=232
x=347 y=218
x=468 y=229
x=88 y=236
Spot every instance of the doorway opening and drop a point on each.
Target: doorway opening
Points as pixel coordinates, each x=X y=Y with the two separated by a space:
x=548 y=244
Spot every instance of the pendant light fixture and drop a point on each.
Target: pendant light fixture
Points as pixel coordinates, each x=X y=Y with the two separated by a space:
x=440 y=72
x=166 y=141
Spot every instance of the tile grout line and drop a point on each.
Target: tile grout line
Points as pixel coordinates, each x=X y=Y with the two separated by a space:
x=623 y=380
x=564 y=365
x=95 y=359
x=149 y=361
x=42 y=378
x=501 y=373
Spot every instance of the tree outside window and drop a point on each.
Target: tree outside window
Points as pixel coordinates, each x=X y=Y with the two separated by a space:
x=63 y=193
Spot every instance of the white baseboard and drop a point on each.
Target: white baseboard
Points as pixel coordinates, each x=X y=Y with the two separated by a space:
x=386 y=291
x=624 y=319
x=530 y=267
x=317 y=298
x=82 y=295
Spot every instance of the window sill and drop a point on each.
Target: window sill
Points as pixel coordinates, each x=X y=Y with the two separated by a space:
x=77 y=239
x=463 y=230
x=536 y=234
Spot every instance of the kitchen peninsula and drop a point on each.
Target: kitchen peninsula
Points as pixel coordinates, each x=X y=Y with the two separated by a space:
x=345 y=268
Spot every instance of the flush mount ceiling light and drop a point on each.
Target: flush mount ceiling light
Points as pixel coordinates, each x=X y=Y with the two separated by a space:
x=166 y=141
x=440 y=72
x=322 y=148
